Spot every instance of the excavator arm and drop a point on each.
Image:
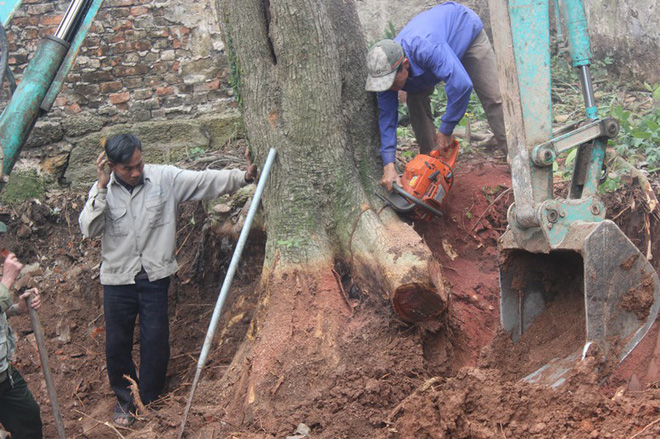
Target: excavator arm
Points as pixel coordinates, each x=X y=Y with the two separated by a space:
x=42 y=79
x=562 y=249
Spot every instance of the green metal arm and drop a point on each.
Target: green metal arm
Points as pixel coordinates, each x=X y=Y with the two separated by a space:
x=535 y=207
x=43 y=80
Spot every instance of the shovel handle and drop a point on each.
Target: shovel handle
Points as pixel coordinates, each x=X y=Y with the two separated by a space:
x=45 y=366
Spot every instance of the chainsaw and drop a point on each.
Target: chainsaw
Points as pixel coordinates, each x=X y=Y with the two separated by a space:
x=425 y=182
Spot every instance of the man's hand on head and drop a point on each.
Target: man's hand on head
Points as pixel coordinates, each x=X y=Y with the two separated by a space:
x=390 y=176
x=102 y=171
x=11 y=270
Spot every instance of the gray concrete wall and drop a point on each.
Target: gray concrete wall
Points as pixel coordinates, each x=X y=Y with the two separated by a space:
x=146 y=66
x=626 y=30
x=629 y=32
x=376 y=15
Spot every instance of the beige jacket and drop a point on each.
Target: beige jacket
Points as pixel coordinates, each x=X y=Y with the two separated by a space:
x=139 y=229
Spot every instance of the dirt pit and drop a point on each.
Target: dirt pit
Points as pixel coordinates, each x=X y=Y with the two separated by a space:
x=460 y=379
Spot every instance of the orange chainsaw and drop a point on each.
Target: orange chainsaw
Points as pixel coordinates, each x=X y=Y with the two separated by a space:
x=425 y=183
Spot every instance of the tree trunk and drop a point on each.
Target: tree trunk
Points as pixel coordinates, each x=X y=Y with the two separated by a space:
x=301 y=72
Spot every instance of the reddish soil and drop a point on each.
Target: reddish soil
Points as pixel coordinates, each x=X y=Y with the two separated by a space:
x=457 y=379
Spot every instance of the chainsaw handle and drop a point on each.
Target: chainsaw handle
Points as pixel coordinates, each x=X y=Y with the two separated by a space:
x=450 y=157
x=399 y=190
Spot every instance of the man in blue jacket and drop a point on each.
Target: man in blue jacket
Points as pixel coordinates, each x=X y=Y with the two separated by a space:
x=447 y=44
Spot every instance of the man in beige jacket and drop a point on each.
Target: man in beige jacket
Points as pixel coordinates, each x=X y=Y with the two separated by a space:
x=134 y=206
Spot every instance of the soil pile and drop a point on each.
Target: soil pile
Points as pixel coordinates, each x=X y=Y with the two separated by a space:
x=455 y=379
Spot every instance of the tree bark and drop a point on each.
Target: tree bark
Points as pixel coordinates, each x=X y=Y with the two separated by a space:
x=301 y=74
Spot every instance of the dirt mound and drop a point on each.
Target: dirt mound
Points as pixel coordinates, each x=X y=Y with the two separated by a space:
x=457 y=379
x=481 y=403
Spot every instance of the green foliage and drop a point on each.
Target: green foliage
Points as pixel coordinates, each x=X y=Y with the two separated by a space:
x=438 y=99
x=404 y=131
x=639 y=137
x=612 y=184
x=390 y=32
x=293 y=242
x=195 y=152
x=599 y=67
x=565 y=163
x=474 y=110
x=234 y=67
x=655 y=91
x=562 y=70
x=490 y=191
x=403 y=112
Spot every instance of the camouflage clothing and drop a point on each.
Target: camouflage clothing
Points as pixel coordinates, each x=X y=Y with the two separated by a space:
x=7 y=342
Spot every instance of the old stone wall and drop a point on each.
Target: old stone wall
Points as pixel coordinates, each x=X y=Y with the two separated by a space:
x=141 y=60
x=161 y=62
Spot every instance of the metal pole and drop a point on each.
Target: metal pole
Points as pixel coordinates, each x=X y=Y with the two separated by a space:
x=45 y=366
x=588 y=91
x=70 y=20
x=233 y=265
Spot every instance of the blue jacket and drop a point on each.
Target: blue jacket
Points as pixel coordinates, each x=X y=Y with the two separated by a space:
x=434 y=43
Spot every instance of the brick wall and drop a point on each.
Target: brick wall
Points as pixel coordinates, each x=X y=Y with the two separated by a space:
x=142 y=60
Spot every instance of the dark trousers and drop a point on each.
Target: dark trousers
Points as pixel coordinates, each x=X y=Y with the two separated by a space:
x=19 y=412
x=479 y=63
x=122 y=304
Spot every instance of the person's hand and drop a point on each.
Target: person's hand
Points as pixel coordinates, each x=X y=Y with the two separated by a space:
x=251 y=173
x=390 y=176
x=103 y=171
x=11 y=270
x=21 y=307
x=442 y=142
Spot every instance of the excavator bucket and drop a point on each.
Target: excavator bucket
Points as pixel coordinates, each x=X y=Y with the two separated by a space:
x=595 y=288
x=569 y=278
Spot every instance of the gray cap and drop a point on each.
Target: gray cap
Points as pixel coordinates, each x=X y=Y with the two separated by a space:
x=383 y=60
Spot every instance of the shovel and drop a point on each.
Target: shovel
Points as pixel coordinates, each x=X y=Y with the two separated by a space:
x=45 y=366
